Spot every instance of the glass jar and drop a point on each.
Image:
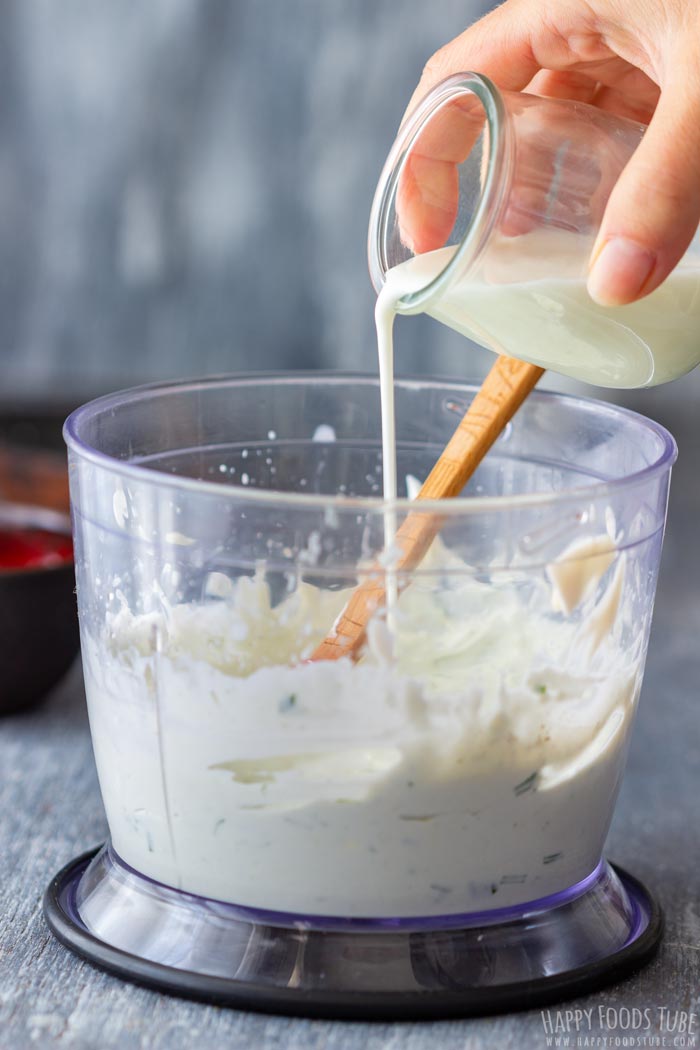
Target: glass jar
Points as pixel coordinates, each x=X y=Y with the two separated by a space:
x=485 y=216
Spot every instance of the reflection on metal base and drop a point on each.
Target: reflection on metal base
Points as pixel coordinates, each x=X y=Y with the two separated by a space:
x=548 y=950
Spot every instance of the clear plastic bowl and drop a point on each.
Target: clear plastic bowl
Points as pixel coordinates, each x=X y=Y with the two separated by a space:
x=470 y=762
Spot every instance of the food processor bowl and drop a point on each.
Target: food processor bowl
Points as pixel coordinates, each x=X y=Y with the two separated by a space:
x=419 y=832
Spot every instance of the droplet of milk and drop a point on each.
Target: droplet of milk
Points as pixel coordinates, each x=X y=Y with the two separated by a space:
x=178 y=539
x=120 y=507
x=217 y=585
x=323 y=432
x=413 y=486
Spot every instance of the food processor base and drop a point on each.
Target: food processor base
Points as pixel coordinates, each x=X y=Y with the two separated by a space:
x=596 y=932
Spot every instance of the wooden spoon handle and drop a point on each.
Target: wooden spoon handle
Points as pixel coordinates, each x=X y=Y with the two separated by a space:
x=501 y=395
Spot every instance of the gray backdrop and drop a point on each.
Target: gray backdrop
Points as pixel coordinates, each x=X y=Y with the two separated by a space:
x=185 y=186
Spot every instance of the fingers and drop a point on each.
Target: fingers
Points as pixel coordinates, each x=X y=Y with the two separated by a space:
x=499 y=46
x=654 y=210
x=615 y=87
x=427 y=197
x=634 y=105
x=428 y=194
x=568 y=84
x=426 y=202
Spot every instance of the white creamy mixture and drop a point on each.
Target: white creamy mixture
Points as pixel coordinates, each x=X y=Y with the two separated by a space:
x=475 y=769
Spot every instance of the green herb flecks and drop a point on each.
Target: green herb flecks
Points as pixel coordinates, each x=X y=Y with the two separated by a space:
x=287 y=703
x=528 y=784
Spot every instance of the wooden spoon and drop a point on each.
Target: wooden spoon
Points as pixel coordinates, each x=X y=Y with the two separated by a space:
x=501 y=395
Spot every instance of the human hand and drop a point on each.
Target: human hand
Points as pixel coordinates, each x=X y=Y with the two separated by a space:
x=634 y=58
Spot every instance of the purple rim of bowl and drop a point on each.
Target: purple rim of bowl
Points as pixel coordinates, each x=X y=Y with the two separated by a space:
x=473 y=504
x=260 y=916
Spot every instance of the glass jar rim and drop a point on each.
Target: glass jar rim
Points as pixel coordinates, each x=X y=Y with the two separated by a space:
x=490 y=199
x=459 y=506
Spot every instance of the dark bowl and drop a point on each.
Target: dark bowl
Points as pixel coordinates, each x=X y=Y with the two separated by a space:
x=38 y=616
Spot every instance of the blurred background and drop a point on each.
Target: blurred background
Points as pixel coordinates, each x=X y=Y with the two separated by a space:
x=185 y=188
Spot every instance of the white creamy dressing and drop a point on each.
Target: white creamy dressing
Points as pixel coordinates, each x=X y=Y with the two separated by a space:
x=469 y=762
x=475 y=767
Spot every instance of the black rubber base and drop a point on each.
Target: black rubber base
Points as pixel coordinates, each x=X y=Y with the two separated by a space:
x=433 y=987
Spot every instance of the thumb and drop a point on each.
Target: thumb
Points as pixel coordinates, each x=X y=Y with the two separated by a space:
x=654 y=210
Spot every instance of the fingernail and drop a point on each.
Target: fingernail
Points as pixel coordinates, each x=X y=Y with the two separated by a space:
x=619 y=271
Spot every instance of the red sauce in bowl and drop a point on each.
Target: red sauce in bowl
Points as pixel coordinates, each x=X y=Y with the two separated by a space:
x=28 y=548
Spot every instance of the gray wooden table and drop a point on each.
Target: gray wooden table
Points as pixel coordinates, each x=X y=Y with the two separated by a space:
x=50 y=810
